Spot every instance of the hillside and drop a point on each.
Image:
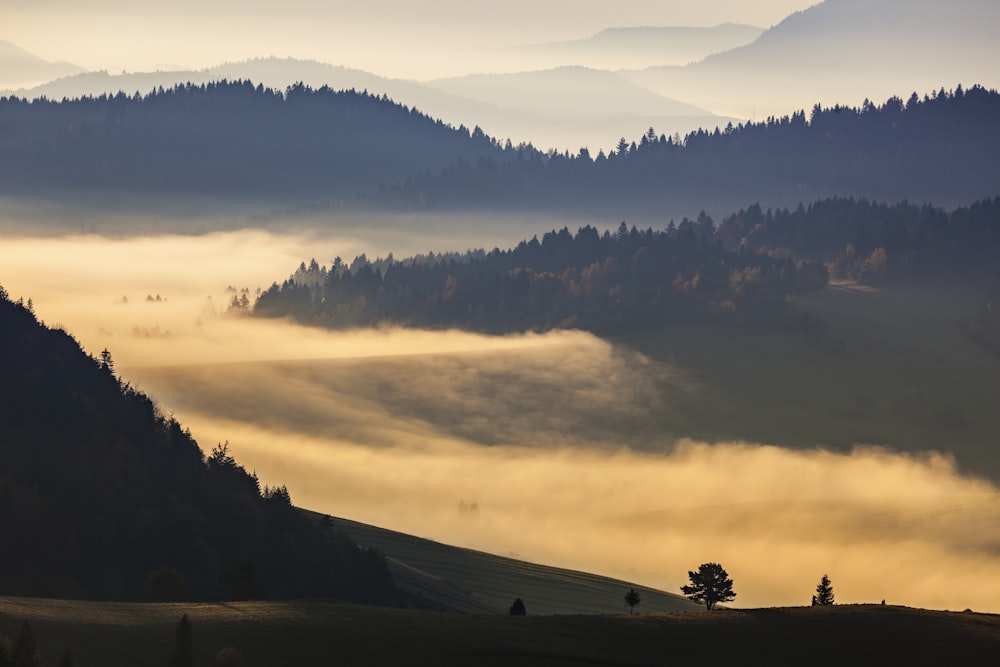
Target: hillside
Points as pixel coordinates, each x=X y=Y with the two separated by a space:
x=896 y=47
x=19 y=68
x=524 y=107
x=455 y=579
x=636 y=47
x=224 y=139
x=308 y=633
x=940 y=148
x=99 y=492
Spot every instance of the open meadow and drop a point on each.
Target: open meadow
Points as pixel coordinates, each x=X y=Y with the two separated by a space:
x=305 y=633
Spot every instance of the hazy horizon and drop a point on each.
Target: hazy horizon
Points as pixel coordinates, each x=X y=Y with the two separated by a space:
x=391 y=38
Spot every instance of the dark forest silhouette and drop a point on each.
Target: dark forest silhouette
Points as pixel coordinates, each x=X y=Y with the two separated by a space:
x=99 y=491
x=603 y=283
x=225 y=138
x=238 y=139
x=940 y=148
x=741 y=272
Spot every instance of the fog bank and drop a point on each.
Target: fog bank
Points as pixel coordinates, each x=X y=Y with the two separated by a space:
x=560 y=448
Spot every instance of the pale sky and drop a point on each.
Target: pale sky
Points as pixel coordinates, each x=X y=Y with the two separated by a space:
x=390 y=37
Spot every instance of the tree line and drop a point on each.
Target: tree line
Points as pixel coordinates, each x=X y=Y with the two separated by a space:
x=604 y=283
x=361 y=149
x=939 y=148
x=225 y=138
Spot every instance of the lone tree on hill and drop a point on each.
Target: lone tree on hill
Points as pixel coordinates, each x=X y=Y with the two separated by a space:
x=517 y=609
x=710 y=584
x=824 y=592
x=632 y=598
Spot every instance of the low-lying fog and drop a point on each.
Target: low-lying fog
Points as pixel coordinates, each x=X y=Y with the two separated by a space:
x=555 y=448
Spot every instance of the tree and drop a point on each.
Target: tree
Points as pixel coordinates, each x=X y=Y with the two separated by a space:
x=710 y=584
x=517 y=608
x=824 y=592
x=183 y=655
x=632 y=598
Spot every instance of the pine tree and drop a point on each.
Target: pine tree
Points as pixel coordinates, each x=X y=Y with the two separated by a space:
x=632 y=598
x=709 y=584
x=824 y=592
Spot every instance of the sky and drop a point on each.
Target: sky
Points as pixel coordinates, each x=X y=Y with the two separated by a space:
x=402 y=429
x=395 y=38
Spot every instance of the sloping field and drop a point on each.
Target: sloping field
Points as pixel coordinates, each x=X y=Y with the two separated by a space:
x=895 y=369
x=456 y=579
x=327 y=633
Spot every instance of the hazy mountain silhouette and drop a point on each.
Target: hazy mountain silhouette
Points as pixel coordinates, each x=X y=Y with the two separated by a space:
x=574 y=107
x=20 y=68
x=567 y=107
x=844 y=50
x=637 y=47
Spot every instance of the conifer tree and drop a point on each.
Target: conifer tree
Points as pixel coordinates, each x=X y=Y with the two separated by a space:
x=824 y=592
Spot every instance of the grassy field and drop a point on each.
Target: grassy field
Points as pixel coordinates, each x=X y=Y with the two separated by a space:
x=328 y=633
x=895 y=369
x=455 y=579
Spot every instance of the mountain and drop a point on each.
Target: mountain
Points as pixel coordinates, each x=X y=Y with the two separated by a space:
x=102 y=497
x=637 y=47
x=563 y=108
x=843 y=51
x=576 y=106
x=19 y=68
x=225 y=139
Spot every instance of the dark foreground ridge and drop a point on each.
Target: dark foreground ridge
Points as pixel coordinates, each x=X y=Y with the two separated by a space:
x=103 y=497
x=312 y=633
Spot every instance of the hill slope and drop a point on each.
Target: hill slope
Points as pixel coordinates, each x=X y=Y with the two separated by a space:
x=224 y=139
x=525 y=107
x=20 y=68
x=98 y=491
x=456 y=579
x=843 y=51
x=638 y=46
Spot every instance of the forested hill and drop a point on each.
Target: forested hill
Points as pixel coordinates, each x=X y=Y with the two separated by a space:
x=941 y=149
x=226 y=138
x=745 y=271
x=102 y=497
x=604 y=283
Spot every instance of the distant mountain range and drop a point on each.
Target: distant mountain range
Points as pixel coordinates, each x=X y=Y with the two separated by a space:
x=18 y=68
x=637 y=47
x=843 y=51
x=567 y=107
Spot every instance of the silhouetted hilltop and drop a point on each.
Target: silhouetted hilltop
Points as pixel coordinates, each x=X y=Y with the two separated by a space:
x=20 y=68
x=941 y=148
x=843 y=51
x=225 y=139
x=99 y=491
